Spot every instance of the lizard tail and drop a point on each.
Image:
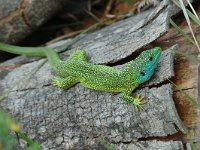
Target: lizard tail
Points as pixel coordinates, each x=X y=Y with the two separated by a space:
x=53 y=59
x=52 y=56
x=29 y=51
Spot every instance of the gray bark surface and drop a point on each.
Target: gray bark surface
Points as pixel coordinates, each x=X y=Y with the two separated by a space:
x=78 y=118
x=154 y=144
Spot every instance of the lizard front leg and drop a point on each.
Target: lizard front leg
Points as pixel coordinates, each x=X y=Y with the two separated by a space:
x=135 y=101
x=64 y=83
x=78 y=55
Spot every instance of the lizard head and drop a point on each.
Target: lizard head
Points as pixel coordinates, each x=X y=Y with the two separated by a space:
x=146 y=63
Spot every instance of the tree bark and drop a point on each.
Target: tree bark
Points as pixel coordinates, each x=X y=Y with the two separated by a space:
x=19 y=18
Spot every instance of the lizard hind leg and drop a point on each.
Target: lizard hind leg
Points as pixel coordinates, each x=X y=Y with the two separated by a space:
x=64 y=83
x=78 y=55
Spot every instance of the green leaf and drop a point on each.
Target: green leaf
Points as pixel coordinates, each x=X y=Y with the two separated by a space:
x=34 y=147
x=7 y=141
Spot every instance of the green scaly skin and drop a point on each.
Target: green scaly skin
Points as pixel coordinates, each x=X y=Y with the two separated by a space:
x=98 y=77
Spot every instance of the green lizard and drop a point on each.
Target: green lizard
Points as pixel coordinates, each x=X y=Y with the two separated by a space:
x=98 y=77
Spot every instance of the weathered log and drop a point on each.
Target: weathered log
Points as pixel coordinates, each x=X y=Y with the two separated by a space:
x=77 y=118
x=19 y=18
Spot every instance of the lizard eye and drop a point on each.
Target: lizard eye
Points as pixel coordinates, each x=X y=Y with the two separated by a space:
x=142 y=73
x=151 y=58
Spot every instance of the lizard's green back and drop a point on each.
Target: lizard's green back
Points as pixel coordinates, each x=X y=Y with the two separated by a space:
x=103 y=77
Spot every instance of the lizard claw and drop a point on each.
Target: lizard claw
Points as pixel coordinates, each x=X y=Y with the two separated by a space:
x=138 y=101
x=139 y=97
x=54 y=82
x=135 y=101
